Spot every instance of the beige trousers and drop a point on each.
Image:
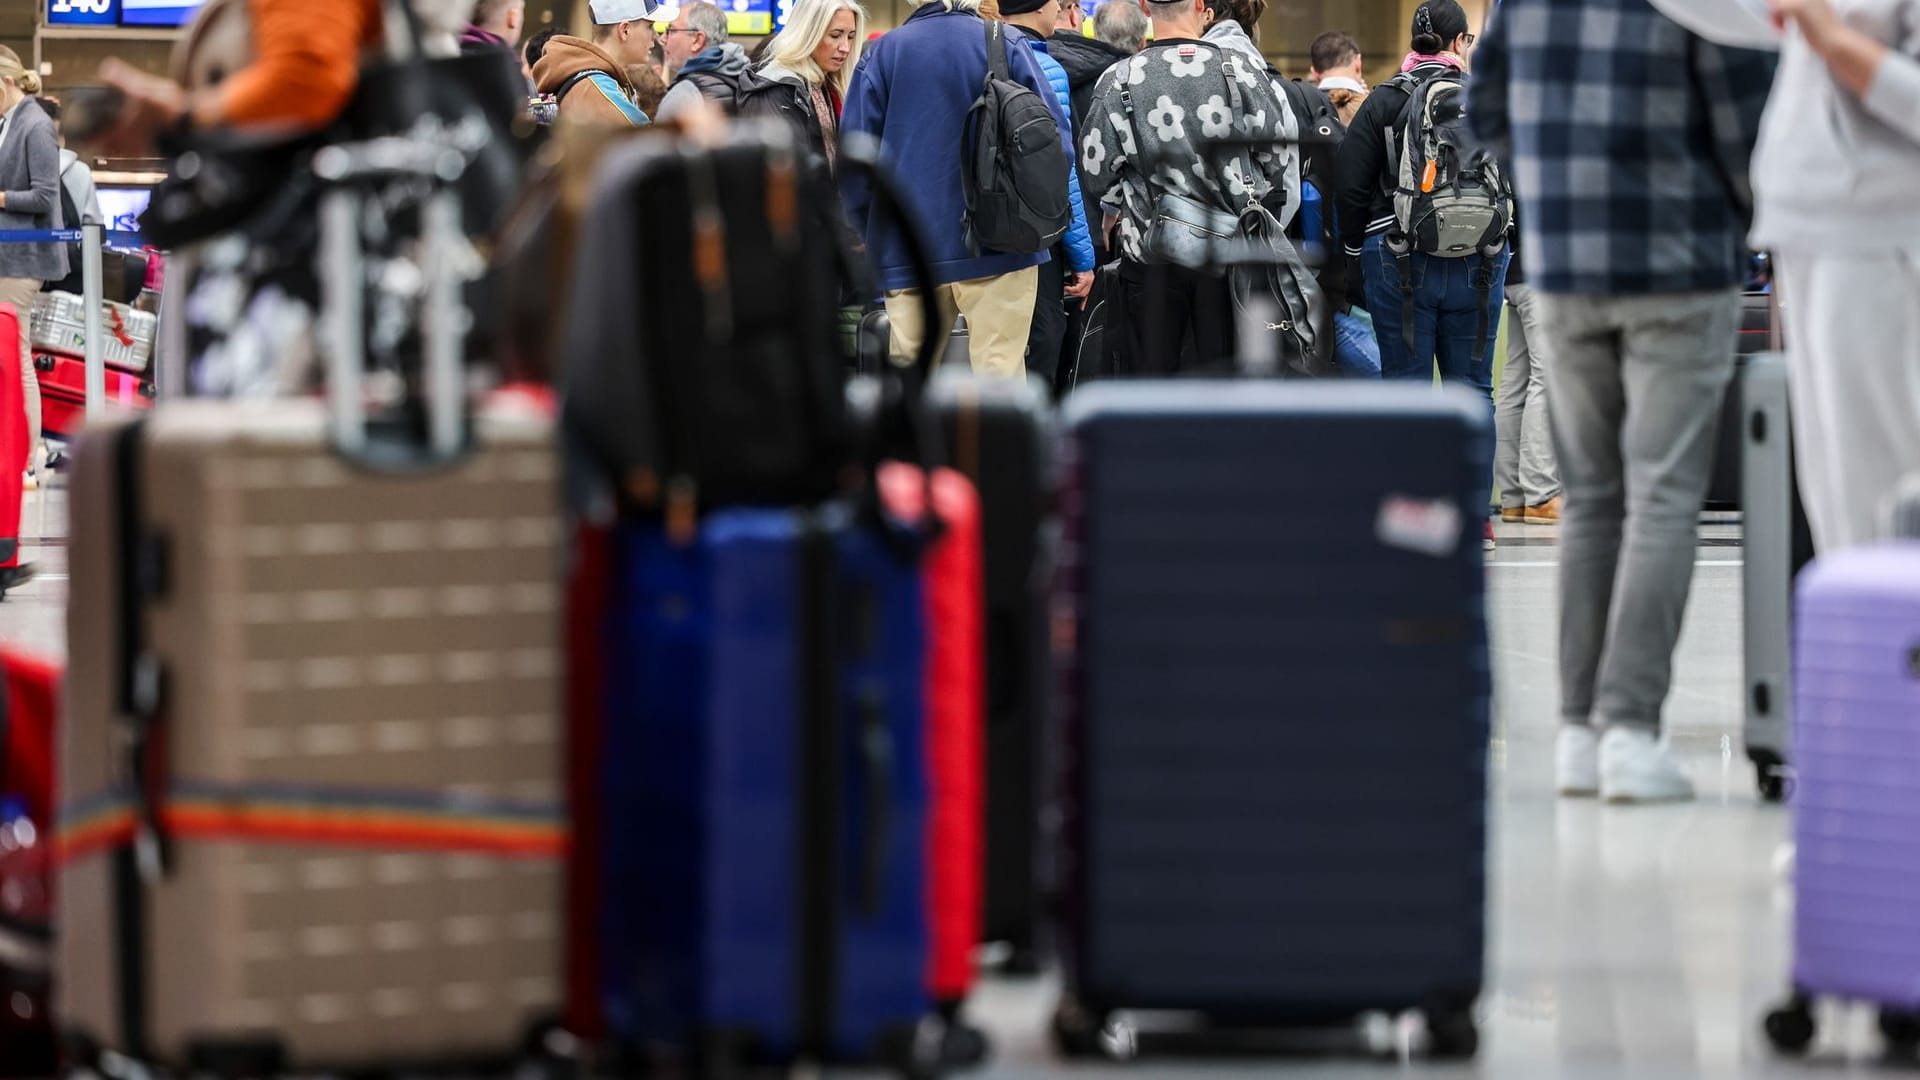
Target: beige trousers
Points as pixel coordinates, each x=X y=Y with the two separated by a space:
x=999 y=313
x=18 y=293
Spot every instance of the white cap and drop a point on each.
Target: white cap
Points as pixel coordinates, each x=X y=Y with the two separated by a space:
x=614 y=12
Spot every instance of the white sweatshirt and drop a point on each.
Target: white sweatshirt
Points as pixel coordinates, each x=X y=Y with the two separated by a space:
x=1835 y=173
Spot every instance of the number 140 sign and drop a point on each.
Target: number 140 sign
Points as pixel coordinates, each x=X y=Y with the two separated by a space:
x=83 y=12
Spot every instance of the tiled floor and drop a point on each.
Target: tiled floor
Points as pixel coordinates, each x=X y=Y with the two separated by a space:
x=1640 y=942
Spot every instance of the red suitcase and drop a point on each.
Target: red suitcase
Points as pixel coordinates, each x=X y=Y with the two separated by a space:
x=956 y=704
x=29 y=691
x=13 y=440
x=63 y=392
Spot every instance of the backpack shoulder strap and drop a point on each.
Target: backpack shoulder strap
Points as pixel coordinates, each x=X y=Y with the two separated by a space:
x=997 y=51
x=573 y=80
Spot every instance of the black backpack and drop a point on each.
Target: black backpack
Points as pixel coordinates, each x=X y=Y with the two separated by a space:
x=1015 y=172
x=1321 y=131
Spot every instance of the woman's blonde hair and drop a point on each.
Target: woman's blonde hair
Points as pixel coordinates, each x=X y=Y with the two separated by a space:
x=13 y=71
x=806 y=28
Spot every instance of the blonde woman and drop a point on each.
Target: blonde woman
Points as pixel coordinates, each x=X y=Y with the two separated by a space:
x=815 y=55
x=29 y=199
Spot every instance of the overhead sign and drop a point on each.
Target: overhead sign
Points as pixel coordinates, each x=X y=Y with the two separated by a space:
x=136 y=13
x=157 y=12
x=83 y=12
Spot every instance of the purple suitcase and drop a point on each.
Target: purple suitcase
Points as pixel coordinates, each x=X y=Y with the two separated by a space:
x=1856 y=752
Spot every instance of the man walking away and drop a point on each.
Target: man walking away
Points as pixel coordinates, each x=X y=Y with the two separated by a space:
x=1339 y=69
x=913 y=90
x=1148 y=134
x=1630 y=139
x=1068 y=274
x=589 y=79
x=1525 y=475
x=701 y=62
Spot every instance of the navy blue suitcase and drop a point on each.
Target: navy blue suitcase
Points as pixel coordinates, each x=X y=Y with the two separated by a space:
x=766 y=798
x=1275 y=705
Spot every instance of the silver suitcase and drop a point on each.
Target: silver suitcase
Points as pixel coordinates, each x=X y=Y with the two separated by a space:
x=1778 y=544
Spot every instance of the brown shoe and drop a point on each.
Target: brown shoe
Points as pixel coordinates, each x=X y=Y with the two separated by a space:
x=1547 y=513
x=1513 y=515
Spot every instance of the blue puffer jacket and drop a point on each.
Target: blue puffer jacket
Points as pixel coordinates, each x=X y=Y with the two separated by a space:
x=1079 y=240
x=912 y=90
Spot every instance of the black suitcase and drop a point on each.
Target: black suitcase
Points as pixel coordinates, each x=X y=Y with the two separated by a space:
x=1275 y=704
x=997 y=432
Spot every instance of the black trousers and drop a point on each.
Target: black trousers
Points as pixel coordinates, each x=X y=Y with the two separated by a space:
x=1049 y=318
x=1171 y=320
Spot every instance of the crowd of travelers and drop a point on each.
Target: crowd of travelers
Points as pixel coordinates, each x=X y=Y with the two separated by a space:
x=1637 y=163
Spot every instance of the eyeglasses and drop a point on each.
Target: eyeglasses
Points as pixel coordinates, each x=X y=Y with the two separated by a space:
x=1471 y=38
x=679 y=30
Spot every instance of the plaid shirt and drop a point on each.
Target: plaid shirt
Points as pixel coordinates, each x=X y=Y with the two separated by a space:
x=1628 y=141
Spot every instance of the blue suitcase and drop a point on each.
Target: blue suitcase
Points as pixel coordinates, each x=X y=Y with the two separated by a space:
x=765 y=797
x=1275 y=706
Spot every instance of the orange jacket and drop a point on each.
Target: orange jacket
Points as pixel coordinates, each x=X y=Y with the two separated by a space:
x=306 y=62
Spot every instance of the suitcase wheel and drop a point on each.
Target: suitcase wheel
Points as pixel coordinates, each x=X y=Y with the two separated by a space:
x=723 y=1054
x=1901 y=1029
x=1079 y=1034
x=1790 y=1028
x=964 y=1047
x=1770 y=774
x=915 y=1052
x=1452 y=1033
x=79 y=1051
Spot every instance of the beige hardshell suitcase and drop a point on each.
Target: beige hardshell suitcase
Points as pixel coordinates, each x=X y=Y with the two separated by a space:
x=311 y=801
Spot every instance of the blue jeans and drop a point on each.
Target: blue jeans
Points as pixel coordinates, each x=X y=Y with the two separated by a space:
x=1355 y=352
x=1446 y=315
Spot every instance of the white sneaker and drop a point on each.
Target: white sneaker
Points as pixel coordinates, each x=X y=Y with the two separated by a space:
x=1637 y=768
x=1577 y=760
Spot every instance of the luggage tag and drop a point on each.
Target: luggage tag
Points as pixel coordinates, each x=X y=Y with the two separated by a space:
x=1423 y=526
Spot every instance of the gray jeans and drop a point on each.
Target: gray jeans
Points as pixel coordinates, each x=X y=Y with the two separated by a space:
x=1524 y=471
x=1637 y=391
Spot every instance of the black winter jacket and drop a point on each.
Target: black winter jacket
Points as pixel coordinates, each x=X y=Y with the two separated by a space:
x=1086 y=59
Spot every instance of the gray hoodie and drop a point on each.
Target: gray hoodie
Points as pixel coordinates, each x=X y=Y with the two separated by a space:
x=1834 y=173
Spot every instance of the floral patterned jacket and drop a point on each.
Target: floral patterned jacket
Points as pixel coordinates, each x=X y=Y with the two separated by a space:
x=1179 y=101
